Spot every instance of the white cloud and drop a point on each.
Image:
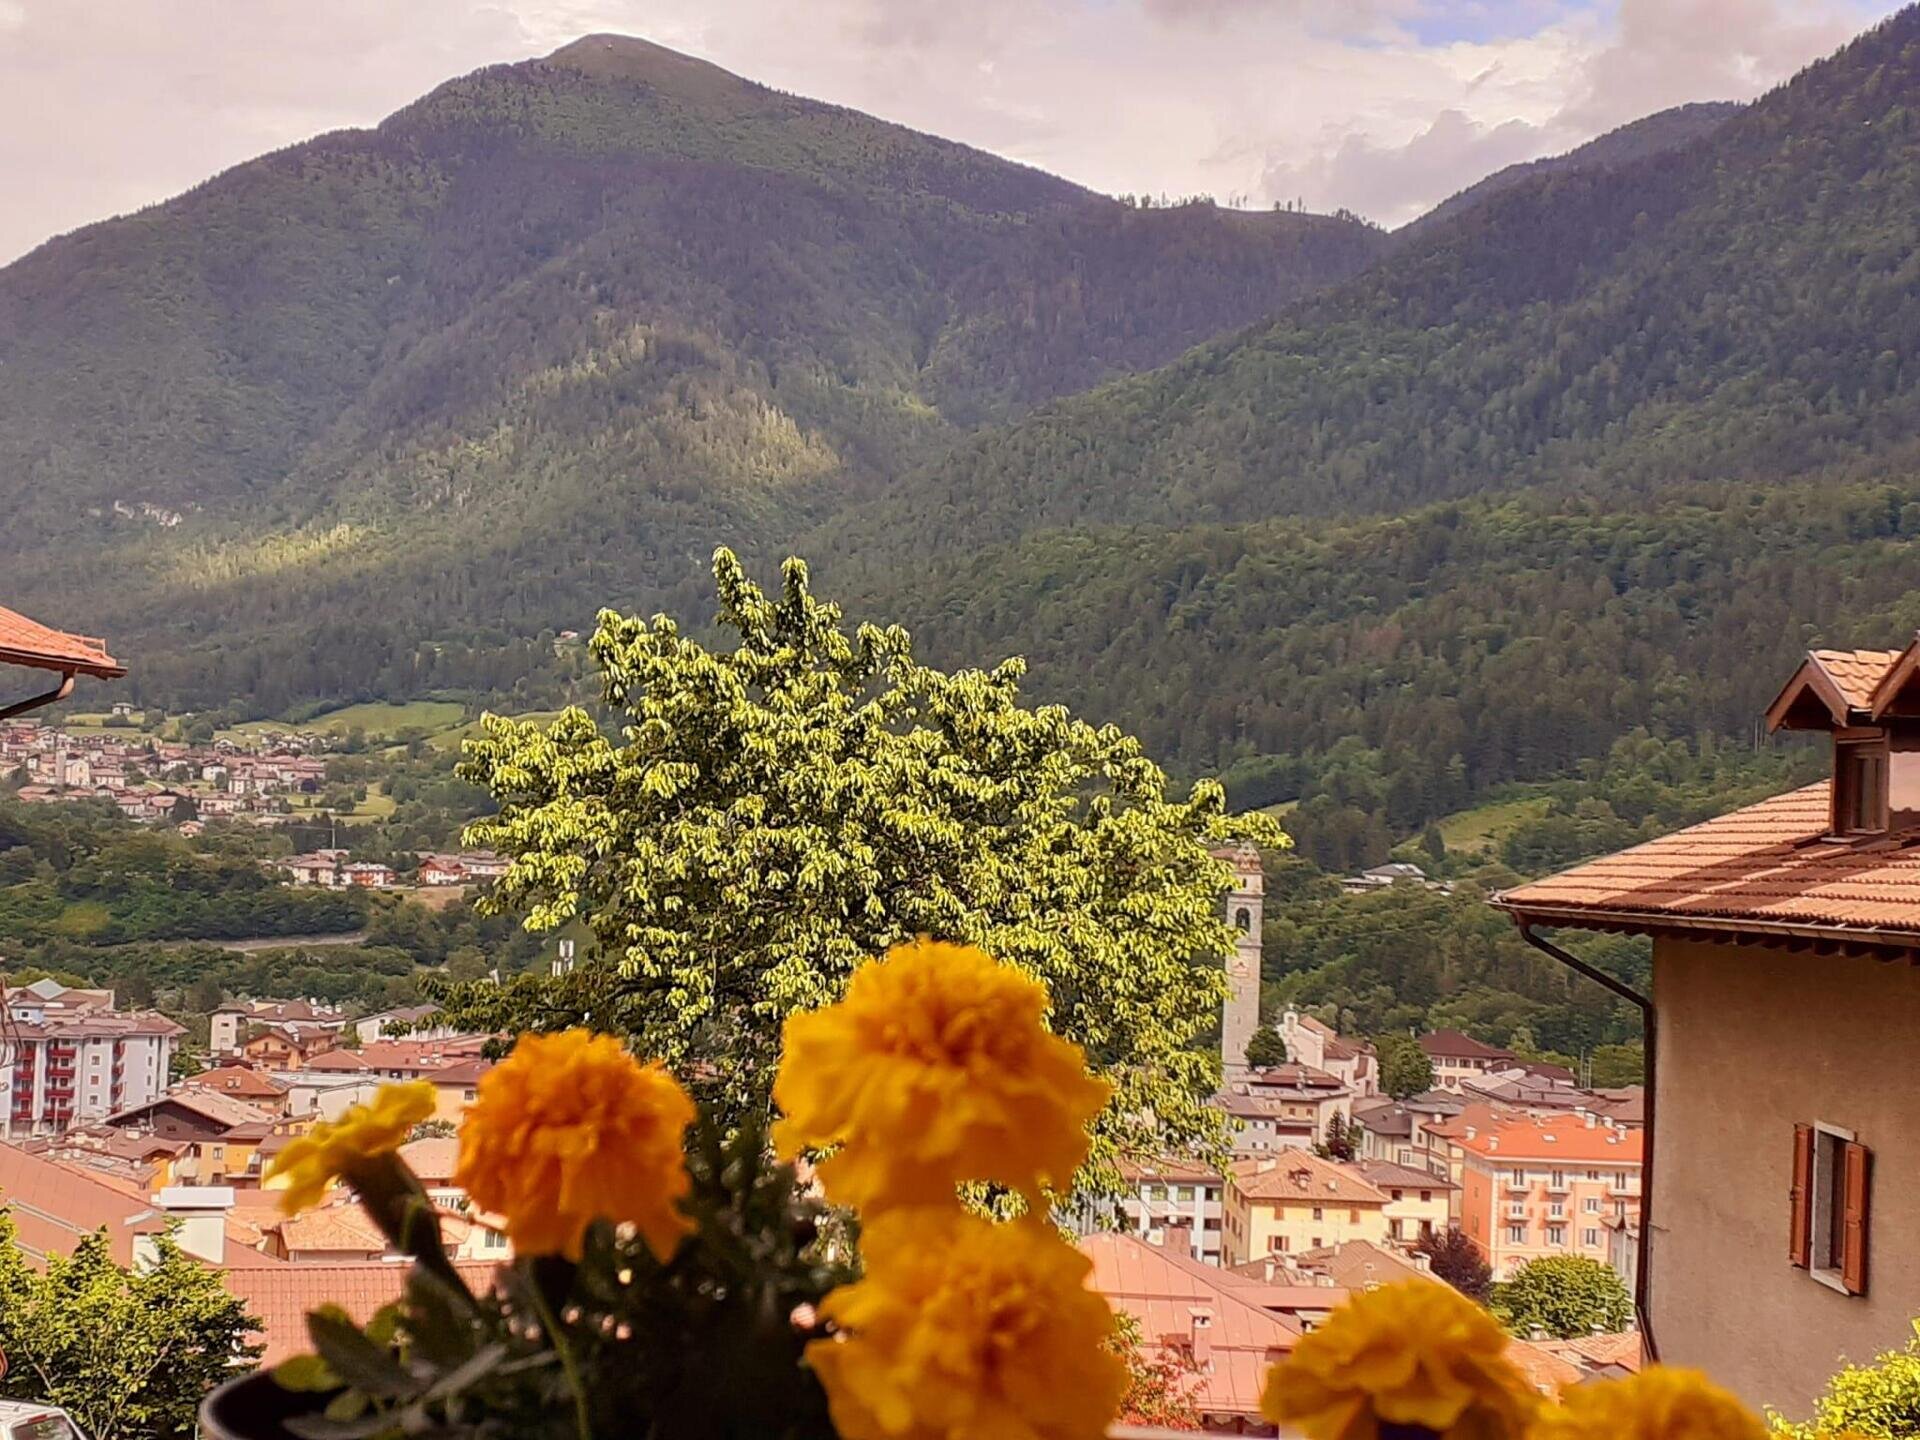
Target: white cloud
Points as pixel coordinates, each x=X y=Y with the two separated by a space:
x=1386 y=106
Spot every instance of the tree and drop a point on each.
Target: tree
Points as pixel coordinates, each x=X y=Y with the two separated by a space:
x=1342 y=1140
x=1455 y=1260
x=434 y=1130
x=780 y=811
x=175 y=1333
x=204 y=996
x=1564 y=1295
x=1405 y=1069
x=135 y=991
x=1161 y=1382
x=1879 y=1399
x=1266 y=1048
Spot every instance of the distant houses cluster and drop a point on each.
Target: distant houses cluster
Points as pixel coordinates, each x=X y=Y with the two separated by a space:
x=162 y=781
x=333 y=869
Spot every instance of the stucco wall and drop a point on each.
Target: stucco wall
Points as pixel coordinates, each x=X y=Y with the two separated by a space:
x=1753 y=1040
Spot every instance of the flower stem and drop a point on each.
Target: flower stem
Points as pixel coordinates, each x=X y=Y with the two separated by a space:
x=582 y=1420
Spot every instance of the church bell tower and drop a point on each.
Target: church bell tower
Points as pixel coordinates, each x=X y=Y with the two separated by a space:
x=1241 y=1016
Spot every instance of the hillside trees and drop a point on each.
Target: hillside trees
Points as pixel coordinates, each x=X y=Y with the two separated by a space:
x=778 y=811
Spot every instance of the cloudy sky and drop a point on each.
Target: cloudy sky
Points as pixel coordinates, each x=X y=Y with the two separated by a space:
x=1382 y=106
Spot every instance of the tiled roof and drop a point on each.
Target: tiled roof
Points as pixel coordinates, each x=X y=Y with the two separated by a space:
x=1455 y=1044
x=1301 y=1174
x=1501 y=1135
x=432 y=1159
x=27 y=642
x=1766 y=865
x=461 y=1072
x=1361 y=1265
x=1388 y=1176
x=236 y=1080
x=1856 y=672
x=1596 y=1352
x=281 y=1296
x=336 y=1228
x=55 y=1206
x=1547 y=1372
x=1141 y=1280
x=210 y=1105
x=342 y=1060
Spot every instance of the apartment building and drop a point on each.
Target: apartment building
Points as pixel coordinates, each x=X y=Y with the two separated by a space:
x=1533 y=1185
x=74 y=1059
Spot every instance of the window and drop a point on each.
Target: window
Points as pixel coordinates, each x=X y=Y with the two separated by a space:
x=1590 y=1238
x=1353 y=1217
x=1318 y=1242
x=1593 y=1174
x=1276 y=1243
x=1827 y=1237
x=1859 y=787
x=1519 y=1177
x=1556 y=1234
x=1557 y=1209
x=1593 y=1205
x=1516 y=1234
x=1559 y=1180
x=1319 y=1213
x=1426 y=1197
x=1399 y=1194
x=1393 y=1229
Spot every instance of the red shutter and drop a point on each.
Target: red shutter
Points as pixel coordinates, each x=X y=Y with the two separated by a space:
x=1800 y=1221
x=1853 y=1254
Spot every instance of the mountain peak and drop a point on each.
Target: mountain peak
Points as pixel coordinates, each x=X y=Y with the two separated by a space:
x=627 y=57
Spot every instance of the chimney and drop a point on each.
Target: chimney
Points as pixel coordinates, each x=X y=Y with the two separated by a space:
x=1590 y=1118
x=201 y=1213
x=1200 y=1333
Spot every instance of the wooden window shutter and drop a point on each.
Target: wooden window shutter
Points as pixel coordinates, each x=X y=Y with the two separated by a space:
x=1800 y=1221
x=1853 y=1254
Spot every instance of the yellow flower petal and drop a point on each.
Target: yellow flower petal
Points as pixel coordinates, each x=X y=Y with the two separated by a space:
x=935 y=1069
x=314 y=1161
x=1662 y=1403
x=570 y=1129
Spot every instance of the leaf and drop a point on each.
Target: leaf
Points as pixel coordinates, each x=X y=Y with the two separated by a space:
x=306 y=1374
x=357 y=1360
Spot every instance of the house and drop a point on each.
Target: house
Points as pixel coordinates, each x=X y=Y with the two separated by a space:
x=1199 y=1315
x=440 y=870
x=1279 y=1204
x=1281 y=1107
x=187 y=1114
x=243 y=1083
x=1419 y=1204
x=407 y=1018
x=1458 y=1057
x=55 y=1206
x=279 y=1047
x=1533 y=1185
x=1784 y=1221
x=1385 y=877
x=1402 y=1131
x=332 y=1234
x=1316 y=1043
x=280 y=1297
x=1169 y=1201
x=233 y=1021
x=367 y=874
x=456 y=1086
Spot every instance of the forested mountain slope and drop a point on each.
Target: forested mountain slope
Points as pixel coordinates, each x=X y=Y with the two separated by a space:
x=558 y=327
x=1654 y=135
x=1747 y=306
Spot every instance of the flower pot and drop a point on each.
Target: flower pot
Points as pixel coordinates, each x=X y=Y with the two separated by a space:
x=255 y=1407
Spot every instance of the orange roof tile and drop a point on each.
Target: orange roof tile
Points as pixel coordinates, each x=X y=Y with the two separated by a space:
x=1296 y=1173
x=1141 y=1280
x=336 y=1228
x=280 y=1297
x=55 y=1206
x=28 y=642
x=432 y=1159
x=1765 y=866
x=1545 y=1371
x=1502 y=1135
x=1856 y=672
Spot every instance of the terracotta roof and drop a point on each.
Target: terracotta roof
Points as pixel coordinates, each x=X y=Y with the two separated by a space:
x=1168 y=1168
x=461 y=1072
x=1455 y=1044
x=1546 y=1371
x=236 y=1080
x=280 y=1296
x=432 y=1159
x=55 y=1206
x=208 y=1104
x=1361 y=1265
x=335 y=1228
x=1142 y=1280
x=1301 y=1174
x=1596 y=1352
x=1502 y=1135
x=1765 y=866
x=1856 y=672
x=341 y=1060
x=27 y=642
x=1388 y=1176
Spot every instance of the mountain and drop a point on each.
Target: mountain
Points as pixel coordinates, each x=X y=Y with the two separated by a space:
x=1395 y=522
x=1653 y=135
x=1744 y=307
x=540 y=339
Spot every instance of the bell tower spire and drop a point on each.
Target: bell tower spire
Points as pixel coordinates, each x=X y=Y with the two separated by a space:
x=1241 y=1014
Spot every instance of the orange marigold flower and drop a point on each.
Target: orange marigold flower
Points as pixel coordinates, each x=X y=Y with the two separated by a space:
x=570 y=1129
x=1416 y=1353
x=313 y=1161
x=967 y=1330
x=936 y=1068
x=1661 y=1403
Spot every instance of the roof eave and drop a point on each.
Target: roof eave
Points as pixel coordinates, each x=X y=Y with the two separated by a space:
x=1795 y=935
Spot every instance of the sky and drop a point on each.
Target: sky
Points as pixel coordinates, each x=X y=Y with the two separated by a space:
x=1384 y=107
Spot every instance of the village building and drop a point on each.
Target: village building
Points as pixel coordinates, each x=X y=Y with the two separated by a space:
x=1532 y=1186
x=1317 y=1044
x=1281 y=1107
x=1783 y=1224
x=74 y=1059
x=1296 y=1201
x=1402 y=1131
x=1458 y=1058
x=1419 y=1204
x=1168 y=1201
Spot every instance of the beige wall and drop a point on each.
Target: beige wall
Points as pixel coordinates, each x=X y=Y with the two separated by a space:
x=1251 y=1227
x=1753 y=1040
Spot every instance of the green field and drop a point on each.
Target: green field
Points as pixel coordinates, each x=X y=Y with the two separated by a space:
x=450 y=739
x=1485 y=826
x=382 y=719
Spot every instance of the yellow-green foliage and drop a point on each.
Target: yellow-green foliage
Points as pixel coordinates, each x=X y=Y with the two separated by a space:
x=777 y=812
x=1880 y=1401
